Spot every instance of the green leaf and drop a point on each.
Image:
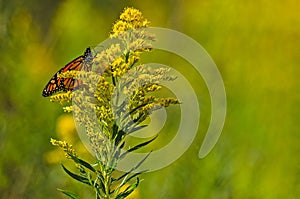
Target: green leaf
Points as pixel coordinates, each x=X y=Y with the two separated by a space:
x=134 y=168
x=119 y=137
x=115 y=130
x=141 y=162
x=134 y=110
x=125 y=175
x=122 y=145
x=84 y=163
x=71 y=195
x=141 y=145
x=128 y=190
x=137 y=147
x=134 y=175
x=140 y=118
x=75 y=176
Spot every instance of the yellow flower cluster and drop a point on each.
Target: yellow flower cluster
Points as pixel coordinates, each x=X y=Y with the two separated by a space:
x=68 y=74
x=68 y=109
x=67 y=148
x=131 y=40
x=112 y=61
x=106 y=57
x=62 y=97
x=130 y=19
x=103 y=96
x=147 y=105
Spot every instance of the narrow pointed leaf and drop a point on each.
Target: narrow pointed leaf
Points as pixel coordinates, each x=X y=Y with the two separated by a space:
x=83 y=163
x=136 y=129
x=75 y=176
x=137 y=147
x=134 y=168
x=71 y=195
x=134 y=175
x=115 y=130
x=128 y=190
x=141 y=162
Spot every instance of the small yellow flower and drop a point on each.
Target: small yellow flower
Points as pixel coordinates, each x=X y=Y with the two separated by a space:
x=68 y=109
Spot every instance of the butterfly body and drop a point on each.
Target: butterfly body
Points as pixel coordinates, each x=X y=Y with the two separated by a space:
x=57 y=84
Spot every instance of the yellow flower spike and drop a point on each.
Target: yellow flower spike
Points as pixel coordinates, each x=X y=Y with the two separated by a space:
x=120 y=26
x=107 y=56
x=67 y=148
x=131 y=14
x=130 y=18
x=62 y=97
x=68 y=74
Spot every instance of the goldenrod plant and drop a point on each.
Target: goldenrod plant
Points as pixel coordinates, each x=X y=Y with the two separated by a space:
x=113 y=100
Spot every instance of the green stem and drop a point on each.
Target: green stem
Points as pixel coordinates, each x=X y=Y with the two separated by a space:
x=107 y=185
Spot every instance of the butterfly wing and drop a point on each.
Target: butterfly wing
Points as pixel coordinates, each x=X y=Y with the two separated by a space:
x=53 y=86
x=66 y=84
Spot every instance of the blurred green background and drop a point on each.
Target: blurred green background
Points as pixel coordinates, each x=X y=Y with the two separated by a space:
x=256 y=46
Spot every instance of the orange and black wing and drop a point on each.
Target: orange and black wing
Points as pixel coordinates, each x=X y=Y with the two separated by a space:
x=53 y=86
x=66 y=84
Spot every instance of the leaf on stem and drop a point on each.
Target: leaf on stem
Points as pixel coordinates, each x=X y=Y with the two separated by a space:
x=137 y=147
x=76 y=177
x=71 y=195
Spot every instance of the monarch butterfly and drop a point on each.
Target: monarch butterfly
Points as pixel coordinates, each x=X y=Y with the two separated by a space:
x=56 y=83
